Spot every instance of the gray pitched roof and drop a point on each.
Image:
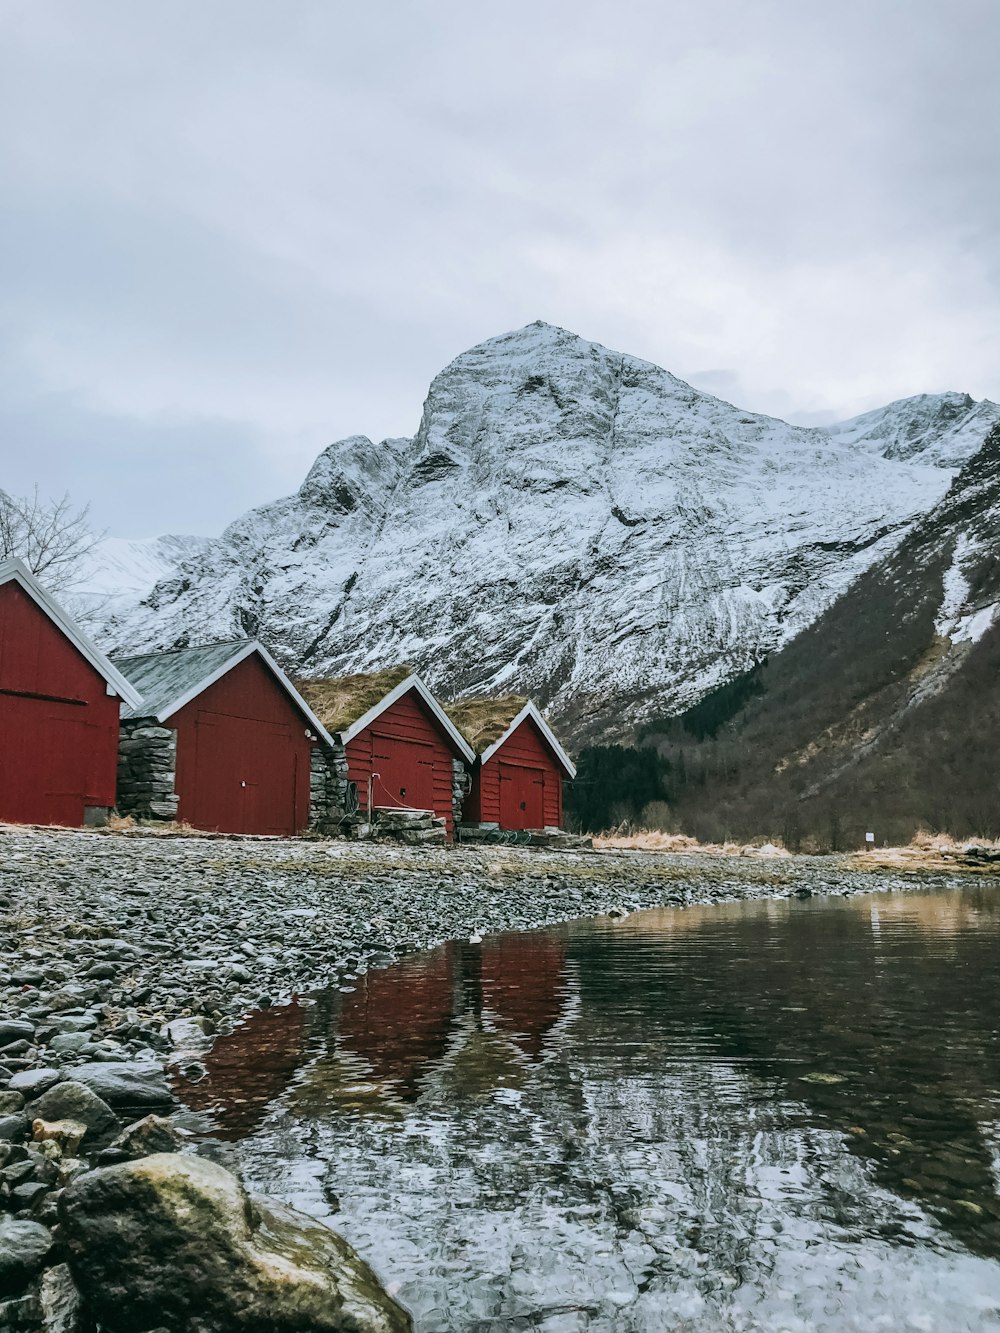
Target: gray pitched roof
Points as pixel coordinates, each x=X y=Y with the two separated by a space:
x=167 y=681
x=162 y=679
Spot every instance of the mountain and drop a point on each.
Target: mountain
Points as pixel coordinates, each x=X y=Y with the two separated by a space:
x=940 y=428
x=118 y=573
x=884 y=714
x=570 y=522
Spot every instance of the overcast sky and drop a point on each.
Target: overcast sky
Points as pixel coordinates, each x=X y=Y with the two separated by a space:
x=235 y=230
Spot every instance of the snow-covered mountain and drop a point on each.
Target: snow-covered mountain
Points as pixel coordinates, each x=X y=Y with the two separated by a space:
x=941 y=428
x=570 y=522
x=118 y=573
x=884 y=713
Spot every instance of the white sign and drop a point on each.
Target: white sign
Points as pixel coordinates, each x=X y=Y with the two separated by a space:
x=869 y=837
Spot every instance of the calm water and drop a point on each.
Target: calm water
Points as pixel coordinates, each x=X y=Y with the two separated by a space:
x=775 y=1115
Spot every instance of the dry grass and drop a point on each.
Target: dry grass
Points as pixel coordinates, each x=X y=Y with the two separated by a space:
x=652 y=840
x=159 y=828
x=928 y=851
x=483 y=721
x=341 y=700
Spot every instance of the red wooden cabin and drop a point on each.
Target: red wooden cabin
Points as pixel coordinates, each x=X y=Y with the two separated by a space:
x=243 y=739
x=401 y=753
x=59 y=700
x=517 y=781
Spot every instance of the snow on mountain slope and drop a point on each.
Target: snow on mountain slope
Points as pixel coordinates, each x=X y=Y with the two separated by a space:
x=567 y=521
x=118 y=573
x=945 y=429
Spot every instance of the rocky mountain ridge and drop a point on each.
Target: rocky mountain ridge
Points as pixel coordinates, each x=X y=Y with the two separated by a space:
x=884 y=714
x=568 y=521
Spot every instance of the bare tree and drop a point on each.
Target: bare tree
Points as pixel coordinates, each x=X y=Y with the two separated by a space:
x=52 y=537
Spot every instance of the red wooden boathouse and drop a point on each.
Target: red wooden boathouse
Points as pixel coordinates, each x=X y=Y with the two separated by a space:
x=518 y=777
x=221 y=740
x=403 y=751
x=59 y=700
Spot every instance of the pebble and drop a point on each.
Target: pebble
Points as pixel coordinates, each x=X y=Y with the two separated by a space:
x=24 y=1246
x=30 y=1082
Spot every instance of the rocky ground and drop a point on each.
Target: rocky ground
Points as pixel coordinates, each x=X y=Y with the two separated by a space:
x=123 y=955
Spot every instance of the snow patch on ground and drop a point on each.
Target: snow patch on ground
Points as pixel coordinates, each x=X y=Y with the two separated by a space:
x=956 y=620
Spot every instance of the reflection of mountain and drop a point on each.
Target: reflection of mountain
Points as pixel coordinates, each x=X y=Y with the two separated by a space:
x=841 y=1006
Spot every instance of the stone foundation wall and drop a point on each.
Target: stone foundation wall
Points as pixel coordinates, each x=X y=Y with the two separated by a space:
x=460 y=781
x=328 y=789
x=147 y=765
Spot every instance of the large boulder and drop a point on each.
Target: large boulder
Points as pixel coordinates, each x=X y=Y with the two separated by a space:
x=177 y=1243
x=133 y=1086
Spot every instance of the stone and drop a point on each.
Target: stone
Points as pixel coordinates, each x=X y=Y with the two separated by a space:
x=70 y=1168
x=15 y=1048
x=68 y=1043
x=127 y=1085
x=188 y=1034
x=66 y=1134
x=24 y=1247
x=101 y=972
x=11 y=1102
x=31 y=1082
x=12 y=1127
x=28 y=1194
x=75 y=1101
x=62 y=1308
x=176 y=1242
x=72 y=1022
x=150 y=1135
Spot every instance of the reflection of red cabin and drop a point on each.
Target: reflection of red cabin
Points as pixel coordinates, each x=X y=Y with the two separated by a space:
x=400 y=1019
x=401 y=752
x=522 y=986
x=248 y=1069
x=244 y=735
x=517 y=782
x=59 y=700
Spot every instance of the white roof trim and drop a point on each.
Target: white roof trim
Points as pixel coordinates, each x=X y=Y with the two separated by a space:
x=240 y=655
x=529 y=710
x=16 y=571
x=404 y=687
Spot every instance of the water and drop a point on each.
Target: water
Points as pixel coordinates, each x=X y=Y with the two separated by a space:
x=778 y=1115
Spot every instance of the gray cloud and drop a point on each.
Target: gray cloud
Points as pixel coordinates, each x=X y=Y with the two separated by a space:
x=235 y=232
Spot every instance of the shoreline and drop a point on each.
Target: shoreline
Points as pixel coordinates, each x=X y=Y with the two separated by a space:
x=213 y=926
x=124 y=956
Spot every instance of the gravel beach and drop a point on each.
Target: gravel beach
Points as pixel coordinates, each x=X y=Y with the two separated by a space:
x=122 y=954
x=123 y=933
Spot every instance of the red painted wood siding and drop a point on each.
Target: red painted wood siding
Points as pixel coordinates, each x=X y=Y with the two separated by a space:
x=243 y=756
x=522 y=764
x=58 y=725
x=407 y=747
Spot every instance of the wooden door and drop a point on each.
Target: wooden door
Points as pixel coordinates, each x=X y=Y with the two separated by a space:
x=522 y=797
x=402 y=774
x=244 y=777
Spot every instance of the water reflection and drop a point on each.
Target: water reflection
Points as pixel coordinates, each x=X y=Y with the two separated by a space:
x=778 y=1114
